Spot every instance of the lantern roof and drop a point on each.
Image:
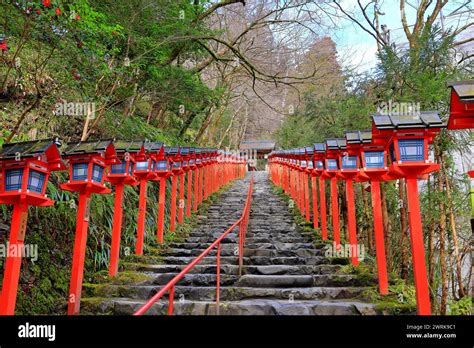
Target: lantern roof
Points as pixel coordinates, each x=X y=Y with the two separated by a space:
x=172 y=151
x=122 y=146
x=320 y=147
x=358 y=137
x=94 y=147
x=309 y=150
x=464 y=89
x=336 y=144
x=31 y=149
x=425 y=119
x=86 y=147
x=155 y=146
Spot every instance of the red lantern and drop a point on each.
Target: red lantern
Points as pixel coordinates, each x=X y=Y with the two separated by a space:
x=318 y=164
x=162 y=171
x=407 y=138
x=120 y=175
x=462 y=105
x=144 y=171
x=24 y=172
x=88 y=161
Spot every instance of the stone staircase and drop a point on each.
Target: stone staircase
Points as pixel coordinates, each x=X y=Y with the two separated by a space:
x=284 y=272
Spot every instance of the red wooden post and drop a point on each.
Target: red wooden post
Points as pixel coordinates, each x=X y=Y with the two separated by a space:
x=315 y=202
x=322 y=202
x=174 y=179
x=116 y=230
x=190 y=187
x=351 y=217
x=13 y=262
x=379 y=237
x=335 y=211
x=306 y=193
x=141 y=217
x=181 y=199
x=418 y=248
x=161 y=210
x=79 y=254
x=196 y=189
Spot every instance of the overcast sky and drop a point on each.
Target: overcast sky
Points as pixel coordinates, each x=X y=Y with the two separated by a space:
x=358 y=48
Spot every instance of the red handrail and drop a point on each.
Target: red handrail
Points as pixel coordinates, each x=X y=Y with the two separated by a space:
x=242 y=222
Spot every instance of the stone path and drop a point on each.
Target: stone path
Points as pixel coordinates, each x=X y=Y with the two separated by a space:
x=284 y=273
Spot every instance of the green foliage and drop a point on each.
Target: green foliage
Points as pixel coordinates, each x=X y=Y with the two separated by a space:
x=461 y=307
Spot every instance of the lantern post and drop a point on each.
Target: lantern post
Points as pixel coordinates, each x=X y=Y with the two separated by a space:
x=24 y=172
x=350 y=165
x=185 y=156
x=319 y=159
x=162 y=172
x=197 y=165
x=175 y=156
x=304 y=169
x=87 y=161
x=191 y=169
x=144 y=171
x=373 y=157
x=333 y=147
x=309 y=151
x=120 y=175
x=407 y=137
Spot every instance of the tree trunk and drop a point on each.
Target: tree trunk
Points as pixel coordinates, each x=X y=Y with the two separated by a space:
x=442 y=246
x=461 y=290
x=404 y=228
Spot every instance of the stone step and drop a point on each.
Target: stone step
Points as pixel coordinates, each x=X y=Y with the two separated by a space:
x=208 y=293
x=232 y=249
x=256 y=260
x=278 y=281
x=234 y=269
x=245 y=307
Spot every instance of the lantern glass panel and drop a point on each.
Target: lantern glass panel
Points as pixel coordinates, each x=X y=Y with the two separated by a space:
x=303 y=163
x=319 y=165
x=374 y=159
x=97 y=172
x=176 y=165
x=118 y=168
x=191 y=162
x=153 y=165
x=130 y=168
x=332 y=164
x=161 y=166
x=198 y=161
x=13 y=179
x=411 y=150
x=80 y=171
x=310 y=164
x=141 y=165
x=36 y=181
x=349 y=162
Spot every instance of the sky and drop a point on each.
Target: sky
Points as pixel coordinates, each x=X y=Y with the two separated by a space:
x=358 y=49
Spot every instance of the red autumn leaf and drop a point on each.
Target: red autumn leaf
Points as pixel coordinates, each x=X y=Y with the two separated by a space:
x=58 y=11
x=47 y=3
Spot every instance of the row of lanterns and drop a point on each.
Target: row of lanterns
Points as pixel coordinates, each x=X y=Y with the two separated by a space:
x=25 y=169
x=396 y=147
